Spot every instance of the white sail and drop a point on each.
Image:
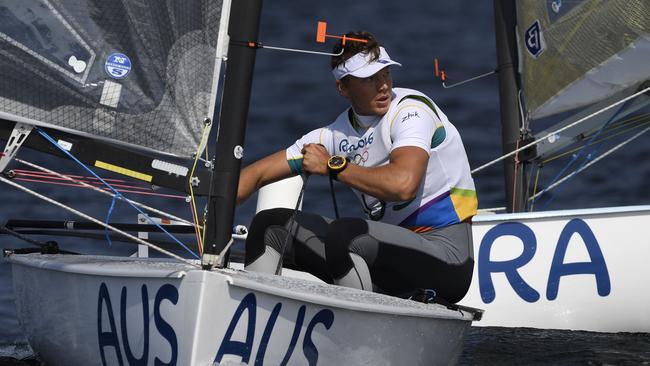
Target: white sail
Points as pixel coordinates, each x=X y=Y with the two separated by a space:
x=575 y=53
x=142 y=73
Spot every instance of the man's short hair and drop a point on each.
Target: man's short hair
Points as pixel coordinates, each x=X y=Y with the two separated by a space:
x=351 y=48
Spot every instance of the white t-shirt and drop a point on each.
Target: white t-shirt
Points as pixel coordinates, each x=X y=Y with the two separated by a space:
x=446 y=195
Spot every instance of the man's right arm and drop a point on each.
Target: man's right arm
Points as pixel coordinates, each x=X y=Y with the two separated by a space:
x=262 y=172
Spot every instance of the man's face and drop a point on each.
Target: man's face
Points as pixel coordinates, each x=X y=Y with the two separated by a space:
x=371 y=95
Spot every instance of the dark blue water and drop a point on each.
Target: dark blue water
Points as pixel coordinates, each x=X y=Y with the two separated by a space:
x=294 y=93
x=525 y=346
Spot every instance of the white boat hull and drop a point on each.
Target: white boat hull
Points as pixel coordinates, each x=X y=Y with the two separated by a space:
x=95 y=310
x=577 y=269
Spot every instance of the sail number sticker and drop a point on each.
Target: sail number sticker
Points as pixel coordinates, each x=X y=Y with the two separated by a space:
x=118 y=66
x=534 y=39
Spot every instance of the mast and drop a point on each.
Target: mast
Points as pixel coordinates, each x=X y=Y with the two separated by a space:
x=505 y=17
x=244 y=28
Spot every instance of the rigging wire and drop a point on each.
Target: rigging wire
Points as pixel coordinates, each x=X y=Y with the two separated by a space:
x=6 y=230
x=99 y=222
x=609 y=126
x=197 y=231
x=607 y=137
x=575 y=157
x=585 y=166
x=87 y=179
x=639 y=122
x=514 y=181
x=195 y=216
x=581 y=120
x=19 y=176
x=332 y=190
x=532 y=201
x=624 y=122
x=99 y=190
x=66 y=152
x=290 y=223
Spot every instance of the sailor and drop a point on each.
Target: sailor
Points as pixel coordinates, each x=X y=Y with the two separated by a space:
x=407 y=165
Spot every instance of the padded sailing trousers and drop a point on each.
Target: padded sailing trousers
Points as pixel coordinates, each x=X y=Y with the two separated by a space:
x=364 y=254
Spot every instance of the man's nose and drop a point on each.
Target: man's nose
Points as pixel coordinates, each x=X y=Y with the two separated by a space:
x=383 y=83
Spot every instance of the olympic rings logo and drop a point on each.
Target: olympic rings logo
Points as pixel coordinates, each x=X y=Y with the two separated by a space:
x=360 y=159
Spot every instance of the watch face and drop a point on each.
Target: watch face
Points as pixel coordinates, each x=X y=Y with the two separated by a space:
x=336 y=161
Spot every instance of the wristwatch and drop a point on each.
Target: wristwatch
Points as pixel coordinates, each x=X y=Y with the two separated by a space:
x=336 y=164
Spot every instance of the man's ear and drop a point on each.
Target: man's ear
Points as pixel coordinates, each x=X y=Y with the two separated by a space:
x=342 y=89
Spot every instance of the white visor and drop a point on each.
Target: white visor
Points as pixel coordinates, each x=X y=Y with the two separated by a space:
x=360 y=65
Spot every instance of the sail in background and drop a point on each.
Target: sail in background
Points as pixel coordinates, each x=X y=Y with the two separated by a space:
x=577 y=52
x=141 y=73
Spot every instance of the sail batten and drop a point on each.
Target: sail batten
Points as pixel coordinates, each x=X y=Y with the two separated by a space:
x=578 y=52
x=140 y=73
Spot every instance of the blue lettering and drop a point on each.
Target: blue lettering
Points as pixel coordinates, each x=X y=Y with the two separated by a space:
x=111 y=338
x=409 y=115
x=132 y=360
x=325 y=317
x=344 y=145
x=243 y=349
x=294 y=336
x=597 y=266
x=266 y=336
x=486 y=267
x=107 y=339
x=166 y=292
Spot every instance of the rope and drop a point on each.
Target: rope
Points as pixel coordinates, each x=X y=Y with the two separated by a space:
x=532 y=201
x=99 y=222
x=39 y=177
x=590 y=163
x=638 y=125
x=639 y=119
x=18 y=177
x=575 y=157
x=87 y=179
x=290 y=224
x=581 y=120
x=66 y=152
x=336 y=207
x=102 y=191
x=195 y=216
x=20 y=236
x=514 y=180
x=592 y=141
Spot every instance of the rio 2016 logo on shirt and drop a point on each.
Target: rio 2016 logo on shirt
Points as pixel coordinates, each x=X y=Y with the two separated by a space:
x=118 y=66
x=346 y=147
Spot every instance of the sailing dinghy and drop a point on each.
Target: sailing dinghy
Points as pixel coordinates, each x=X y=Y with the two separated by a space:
x=573 y=84
x=125 y=86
